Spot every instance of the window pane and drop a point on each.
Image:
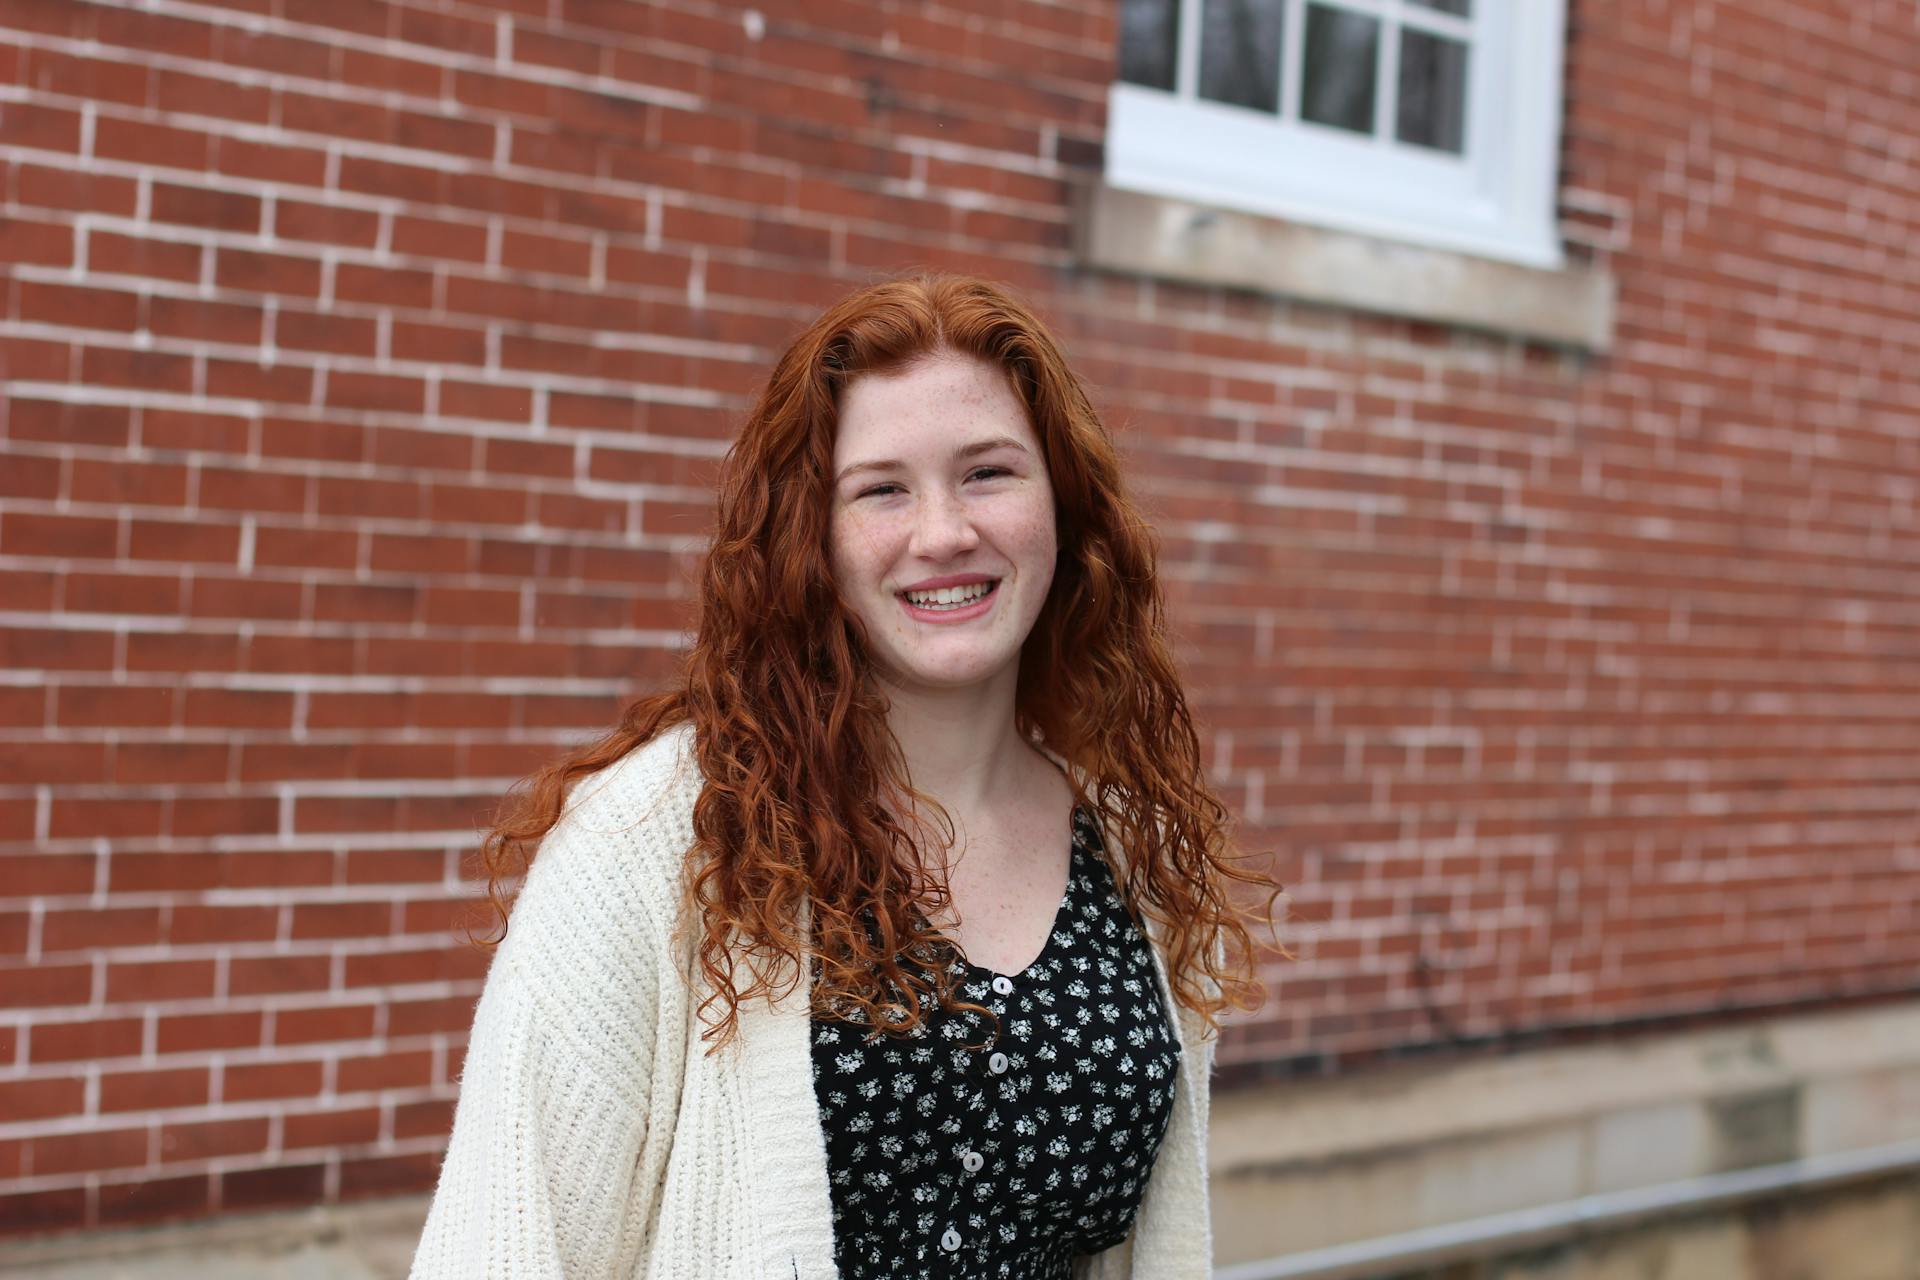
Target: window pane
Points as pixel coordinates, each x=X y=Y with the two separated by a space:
x=1149 y=38
x=1337 y=84
x=1446 y=6
x=1240 y=53
x=1433 y=91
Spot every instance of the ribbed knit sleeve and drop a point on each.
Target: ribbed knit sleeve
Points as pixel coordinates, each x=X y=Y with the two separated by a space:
x=565 y=1112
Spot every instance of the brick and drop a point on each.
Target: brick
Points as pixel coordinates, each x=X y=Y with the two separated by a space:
x=203 y=207
x=278 y=974
x=42 y=244
x=212 y=1139
x=386 y=73
x=251 y=271
x=154 y=1200
x=196 y=925
x=203 y=1032
x=324 y=1023
x=402 y=1070
x=78 y=705
x=196 y=541
x=275 y=162
x=396 y=447
x=80 y=1041
x=504 y=404
x=254 y=489
x=142 y=370
x=306 y=548
x=329 y=224
x=28 y=763
x=89 y=929
x=251 y=1082
x=66 y=75
x=117 y=254
x=388 y=1175
x=34 y=874
x=439 y=238
x=438 y=1015
x=190 y=94
x=298 y=438
x=23 y=707
x=398 y=968
x=77 y=307
x=439 y=31
x=442 y=344
x=35 y=478
x=223 y=597
x=122 y=481
x=154 y=980
x=278 y=1184
x=206 y=320
x=150 y=1090
x=144 y=142
x=335 y=1127
x=30 y=534
x=169 y=429
x=395 y=866
x=48 y=187
x=58 y=1209
x=42 y=1098
x=89 y=1152
x=40 y=126
x=47 y=985
x=281 y=382
x=376 y=391
x=170 y=763
x=153 y=33
x=224 y=815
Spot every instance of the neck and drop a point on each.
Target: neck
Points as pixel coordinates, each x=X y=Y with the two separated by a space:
x=961 y=746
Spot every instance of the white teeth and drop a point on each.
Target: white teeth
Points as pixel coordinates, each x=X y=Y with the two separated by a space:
x=949 y=597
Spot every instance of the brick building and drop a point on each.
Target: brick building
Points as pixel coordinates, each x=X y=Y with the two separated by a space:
x=1535 y=451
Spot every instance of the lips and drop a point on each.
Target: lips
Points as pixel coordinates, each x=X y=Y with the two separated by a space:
x=948 y=593
x=944 y=612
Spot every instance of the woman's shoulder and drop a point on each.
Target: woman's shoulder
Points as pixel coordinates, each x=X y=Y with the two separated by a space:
x=621 y=842
x=643 y=791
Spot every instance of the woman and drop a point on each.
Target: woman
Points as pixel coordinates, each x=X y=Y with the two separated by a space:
x=890 y=940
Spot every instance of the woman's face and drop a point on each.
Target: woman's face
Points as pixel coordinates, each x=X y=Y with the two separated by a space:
x=940 y=490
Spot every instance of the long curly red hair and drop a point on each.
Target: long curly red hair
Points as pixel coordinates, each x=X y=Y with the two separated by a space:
x=797 y=860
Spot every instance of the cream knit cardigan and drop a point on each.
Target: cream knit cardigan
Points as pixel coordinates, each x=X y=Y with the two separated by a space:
x=594 y=1136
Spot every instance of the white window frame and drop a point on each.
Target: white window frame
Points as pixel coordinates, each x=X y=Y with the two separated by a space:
x=1496 y=200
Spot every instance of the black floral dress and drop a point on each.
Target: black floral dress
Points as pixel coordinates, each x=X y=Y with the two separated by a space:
x=1010 y=1158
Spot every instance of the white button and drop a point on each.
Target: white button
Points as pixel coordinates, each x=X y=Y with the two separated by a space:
x=971 y=1162
x=1003 y=986
x=950 y=1241
x=997 y=1063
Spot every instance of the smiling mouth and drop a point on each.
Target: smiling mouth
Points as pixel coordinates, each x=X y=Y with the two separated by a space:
x=950 y=599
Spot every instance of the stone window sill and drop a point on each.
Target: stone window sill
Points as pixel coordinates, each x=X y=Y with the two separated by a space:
x=1179 y=240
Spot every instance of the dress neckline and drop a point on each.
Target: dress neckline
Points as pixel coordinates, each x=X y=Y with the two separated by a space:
x=1075 y=851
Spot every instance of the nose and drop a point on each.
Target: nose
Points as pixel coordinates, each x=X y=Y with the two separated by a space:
x=942 y=528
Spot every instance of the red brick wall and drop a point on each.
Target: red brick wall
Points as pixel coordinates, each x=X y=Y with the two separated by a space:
x=368 y=362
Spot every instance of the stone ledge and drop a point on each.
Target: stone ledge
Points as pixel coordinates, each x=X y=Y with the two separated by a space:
x=1303 y=1165
x=1175 y=239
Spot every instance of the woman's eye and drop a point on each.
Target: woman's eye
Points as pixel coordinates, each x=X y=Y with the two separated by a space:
x=989 y=473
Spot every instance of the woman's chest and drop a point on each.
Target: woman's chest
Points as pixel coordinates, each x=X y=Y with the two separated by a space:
x=1003 y=1134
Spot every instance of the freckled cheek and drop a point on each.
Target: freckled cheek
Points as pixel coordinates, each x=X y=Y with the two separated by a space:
x=861 y=547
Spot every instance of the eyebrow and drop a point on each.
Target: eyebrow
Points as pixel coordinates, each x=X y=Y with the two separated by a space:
x=964 y=451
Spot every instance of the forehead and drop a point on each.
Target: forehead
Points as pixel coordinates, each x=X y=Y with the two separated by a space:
x=932 y=405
